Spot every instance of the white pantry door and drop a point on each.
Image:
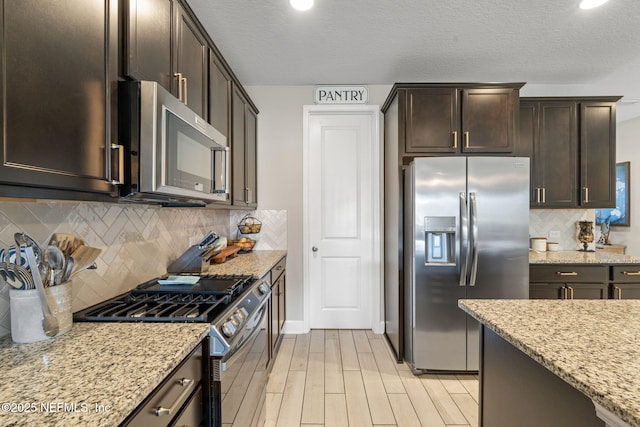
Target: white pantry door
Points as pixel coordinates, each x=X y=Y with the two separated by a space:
x=341 y=217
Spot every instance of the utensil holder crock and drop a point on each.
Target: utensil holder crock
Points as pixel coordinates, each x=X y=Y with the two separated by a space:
x=26 y=312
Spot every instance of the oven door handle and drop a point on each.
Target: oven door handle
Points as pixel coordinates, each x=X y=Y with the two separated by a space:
x=230 y=356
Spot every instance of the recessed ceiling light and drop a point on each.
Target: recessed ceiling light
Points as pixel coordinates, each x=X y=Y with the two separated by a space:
x=590 y=4
x=303 y=4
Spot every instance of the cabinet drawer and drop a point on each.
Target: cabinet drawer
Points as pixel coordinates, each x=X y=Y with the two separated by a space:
x=626 y=274
x=568 y=273
x=170 y=394
x=278 y=269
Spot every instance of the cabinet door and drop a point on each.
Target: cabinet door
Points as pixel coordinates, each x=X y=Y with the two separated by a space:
x=251 y=152
x=191 y=51
x=282 y=302
x=526 y=142
x=275 y=310
x=556 y=157
x=219 y=95
x=147 y=39
x=57 y=76
x=432 y=121
x=597 y=154
x=238 y=147
x=489 y=120
x=546 y=291
x=587 y=291
x=625 y=291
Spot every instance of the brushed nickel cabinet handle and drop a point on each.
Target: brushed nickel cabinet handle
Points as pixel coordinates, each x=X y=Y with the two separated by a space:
x=631 y=273
x=179 y=77
x=544 y=194
x=455 y=139
x=617 y=289
x=564 y=292
x=537 y=194
x=570 y=289
x=566 y=273
x=466 y=139
x=188 y=384
x=184 y=80
x=586 y=194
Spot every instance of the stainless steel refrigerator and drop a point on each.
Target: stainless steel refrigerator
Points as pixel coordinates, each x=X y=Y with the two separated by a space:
x=466 y=236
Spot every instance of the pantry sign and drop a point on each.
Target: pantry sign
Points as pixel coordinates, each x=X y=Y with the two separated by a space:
x=341 y=95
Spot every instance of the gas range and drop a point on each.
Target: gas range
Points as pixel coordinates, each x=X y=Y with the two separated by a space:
x=229 y=303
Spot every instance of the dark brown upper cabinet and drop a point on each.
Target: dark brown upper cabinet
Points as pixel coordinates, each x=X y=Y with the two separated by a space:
x=147 y=40
x=191 y=73
x=572 y=146
x=58 y=79
x=243 y=150
x=164 y=43
x=219 y=94
x=442 y=119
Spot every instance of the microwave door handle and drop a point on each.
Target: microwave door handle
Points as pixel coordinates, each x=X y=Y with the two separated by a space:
x=222 y=174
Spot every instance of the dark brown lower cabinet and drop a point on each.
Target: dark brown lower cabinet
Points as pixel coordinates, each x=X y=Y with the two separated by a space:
x=277 y=305
x=625 y=291
x=515 y=390
x=563 y=281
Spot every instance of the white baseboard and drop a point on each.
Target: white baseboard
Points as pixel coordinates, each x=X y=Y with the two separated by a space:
x=295 y=327
x=298 y=327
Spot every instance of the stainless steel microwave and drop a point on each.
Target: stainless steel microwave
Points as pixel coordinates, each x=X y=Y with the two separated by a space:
x=172 y=155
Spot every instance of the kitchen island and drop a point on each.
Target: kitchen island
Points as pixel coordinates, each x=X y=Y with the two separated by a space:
x=94 y=375
x=558 y=363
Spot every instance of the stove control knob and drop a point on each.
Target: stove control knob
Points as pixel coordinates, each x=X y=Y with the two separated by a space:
x=236 y=318
x=228 y=329
x=241 y=313
x=263 y=288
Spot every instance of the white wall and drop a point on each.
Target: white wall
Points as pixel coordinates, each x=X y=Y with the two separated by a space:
x=280 y=168
x=628 y=150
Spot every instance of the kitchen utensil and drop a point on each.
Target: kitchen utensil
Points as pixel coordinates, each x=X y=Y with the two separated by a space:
x=68 y=268
x=23 y=239
x=9 y=276
x=83 y=258
x=56 y=260
x=50 y=323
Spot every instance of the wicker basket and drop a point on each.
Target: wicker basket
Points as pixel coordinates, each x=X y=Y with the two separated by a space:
x=249 y=225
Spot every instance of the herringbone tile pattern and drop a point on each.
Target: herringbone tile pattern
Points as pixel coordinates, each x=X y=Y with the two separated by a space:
x=541 y=221
x=137 y=241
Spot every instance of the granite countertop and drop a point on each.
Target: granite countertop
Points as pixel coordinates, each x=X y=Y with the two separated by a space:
x=255 y=263
x=576 y=257
x=94 y=375
x=591 y=344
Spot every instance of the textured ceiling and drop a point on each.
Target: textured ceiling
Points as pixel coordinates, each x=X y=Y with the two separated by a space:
x=545 y=42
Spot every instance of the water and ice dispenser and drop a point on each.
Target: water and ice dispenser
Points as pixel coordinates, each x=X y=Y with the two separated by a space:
x=440 y=240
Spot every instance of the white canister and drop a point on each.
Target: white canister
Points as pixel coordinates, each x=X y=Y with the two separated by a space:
x=26 y=312
x=539 y=244
x=553 y=246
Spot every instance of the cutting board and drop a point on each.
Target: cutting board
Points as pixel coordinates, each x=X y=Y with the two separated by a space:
x=225 y=254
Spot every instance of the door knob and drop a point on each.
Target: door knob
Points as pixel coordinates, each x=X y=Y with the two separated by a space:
x=314 y=249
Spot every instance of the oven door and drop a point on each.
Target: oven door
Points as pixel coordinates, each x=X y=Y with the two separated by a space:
x=239 y=396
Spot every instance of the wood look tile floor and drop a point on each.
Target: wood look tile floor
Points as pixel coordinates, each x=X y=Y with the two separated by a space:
x=341 y=377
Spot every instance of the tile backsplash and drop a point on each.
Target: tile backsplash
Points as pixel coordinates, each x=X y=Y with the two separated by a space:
x=137 y=241
x=542 y=221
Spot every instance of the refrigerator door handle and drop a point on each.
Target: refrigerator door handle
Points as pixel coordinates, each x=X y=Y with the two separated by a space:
x=464 y=238
x=474 y=239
